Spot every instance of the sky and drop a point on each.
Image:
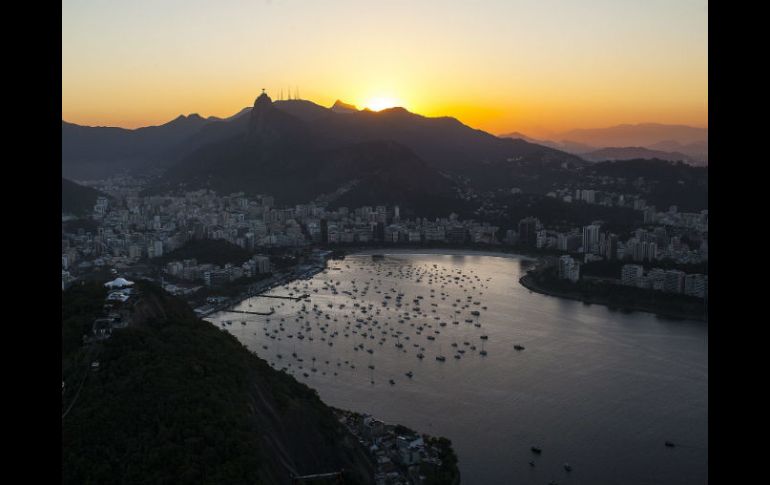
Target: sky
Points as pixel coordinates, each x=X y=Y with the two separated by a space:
x=533 y=66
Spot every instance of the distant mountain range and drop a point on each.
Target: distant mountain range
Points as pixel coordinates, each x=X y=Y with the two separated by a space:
x=623 y=142
x=92 y=152
x=299 y=151
x=632 y=153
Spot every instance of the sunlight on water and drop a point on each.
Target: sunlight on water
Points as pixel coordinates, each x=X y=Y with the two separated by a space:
x=474 y=356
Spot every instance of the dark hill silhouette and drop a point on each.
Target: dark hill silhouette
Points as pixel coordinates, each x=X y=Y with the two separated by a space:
x=340 y=107
x=78 y=199
x=299 y=151
x=91 y=152
x=444 y=143
x=177 y=400
x=630 y=153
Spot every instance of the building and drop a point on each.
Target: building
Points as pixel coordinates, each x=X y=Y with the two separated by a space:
x=630 y=274
x=262 y=264
x=216 y=277
x=611 y=247
x=569 y=269
x=591 y=238
x=674 y=281
x=696 y=285
x=568 y=242
x=528 y=231
x=657 y=278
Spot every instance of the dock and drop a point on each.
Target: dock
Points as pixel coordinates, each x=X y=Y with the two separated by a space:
x=250 y=313
x=295 y=298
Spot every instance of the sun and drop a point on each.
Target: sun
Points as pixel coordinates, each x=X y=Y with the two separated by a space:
x=379 y=103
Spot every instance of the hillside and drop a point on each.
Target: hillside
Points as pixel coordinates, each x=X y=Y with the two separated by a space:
x=669 y=183
x=213 y=251
x=96 y=151
x=630 y=153
x=280 y=154
x=444 y=143
x=177 y=400
x=77 y=199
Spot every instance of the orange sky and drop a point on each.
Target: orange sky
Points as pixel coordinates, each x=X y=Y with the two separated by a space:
x=530 y=66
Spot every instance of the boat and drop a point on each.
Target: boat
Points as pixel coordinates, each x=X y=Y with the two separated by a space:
x=567 y=467
x=535 y=449
x=670 y=444
x=531 y=463
x=518 y=347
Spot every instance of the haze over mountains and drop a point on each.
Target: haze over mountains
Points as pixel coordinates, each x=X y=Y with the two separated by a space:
x=300 y=151
x=629 y=141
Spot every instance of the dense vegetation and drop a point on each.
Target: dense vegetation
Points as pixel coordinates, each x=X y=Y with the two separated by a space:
x=212 y=251
x=448 y=473
x=81 y=304
x=177 y=400
x=671 y=183
x=555 y=213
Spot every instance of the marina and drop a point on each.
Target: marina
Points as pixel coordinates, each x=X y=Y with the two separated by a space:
x=434 y=342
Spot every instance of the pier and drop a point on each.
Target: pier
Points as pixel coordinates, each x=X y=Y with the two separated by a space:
x=295 y=298
x=250 y=313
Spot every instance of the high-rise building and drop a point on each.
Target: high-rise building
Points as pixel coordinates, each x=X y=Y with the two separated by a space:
x=591 y=238
x=528 y=231
x=611 y=250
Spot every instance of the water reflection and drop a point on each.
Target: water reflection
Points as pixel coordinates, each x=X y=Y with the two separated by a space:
x=591 y=386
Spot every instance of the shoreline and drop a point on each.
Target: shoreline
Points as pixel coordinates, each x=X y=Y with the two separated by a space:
x=528 y=282
x=442 y=252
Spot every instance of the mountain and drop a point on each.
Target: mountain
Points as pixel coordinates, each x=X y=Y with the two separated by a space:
x=564 y=145
x=299 y=151
x=305 y=110
x=443 y=143
x=642 y=134
x=629 y=153
x=278 y=154
x=78 y=199
x=671 y=142
x=177 y=400
x=95 y=152
x=340 y=107
x=698 y=150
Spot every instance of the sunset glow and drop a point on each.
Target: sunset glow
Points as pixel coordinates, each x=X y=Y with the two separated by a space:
x=380 y=103
x=529 y=66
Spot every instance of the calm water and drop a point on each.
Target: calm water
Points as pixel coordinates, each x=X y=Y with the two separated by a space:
x=599 y=389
